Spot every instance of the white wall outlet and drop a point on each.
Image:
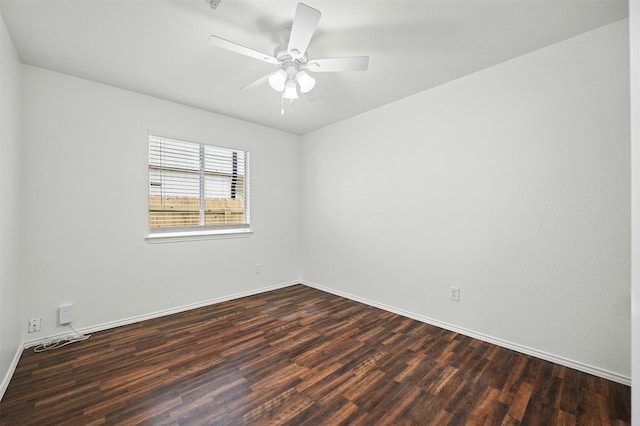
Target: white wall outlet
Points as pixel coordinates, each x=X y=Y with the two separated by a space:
x=454 y=294
x=65 y=314
x=257 y=268
x=34 y=325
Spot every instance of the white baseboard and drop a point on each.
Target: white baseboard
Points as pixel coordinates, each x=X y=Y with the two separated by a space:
x=157 y=314
x=112 y=324
x=152 y=315
x=609 y=375
x=12 y=368
x=476 y=335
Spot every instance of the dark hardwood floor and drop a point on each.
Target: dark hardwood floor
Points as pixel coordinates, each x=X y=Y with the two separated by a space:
x=300 y=356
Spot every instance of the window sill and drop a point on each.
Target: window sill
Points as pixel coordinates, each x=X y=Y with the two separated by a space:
x=174 y=237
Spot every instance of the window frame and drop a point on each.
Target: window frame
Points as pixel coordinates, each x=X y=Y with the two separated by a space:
x=202 y=231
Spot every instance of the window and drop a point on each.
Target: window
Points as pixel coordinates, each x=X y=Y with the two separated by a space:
x=197 y=189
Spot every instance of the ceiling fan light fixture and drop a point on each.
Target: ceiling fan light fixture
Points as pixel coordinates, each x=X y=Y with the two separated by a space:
x=305 y=81
x=290 y=90
x=277 y=80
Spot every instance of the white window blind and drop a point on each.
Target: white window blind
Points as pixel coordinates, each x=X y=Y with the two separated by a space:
x=194 y=186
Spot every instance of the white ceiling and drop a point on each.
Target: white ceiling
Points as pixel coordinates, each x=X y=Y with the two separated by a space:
x=159 y=47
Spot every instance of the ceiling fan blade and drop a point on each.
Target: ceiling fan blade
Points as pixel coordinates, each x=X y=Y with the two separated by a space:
x=304 y=24
x=237 y=48
x=258 y=83
x=353 y=63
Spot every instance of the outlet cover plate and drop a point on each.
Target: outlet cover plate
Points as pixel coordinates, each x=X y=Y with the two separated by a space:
x=65 y=314
x=34 y=325
x=454 y=294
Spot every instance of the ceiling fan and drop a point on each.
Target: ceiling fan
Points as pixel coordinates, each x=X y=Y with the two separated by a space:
x=290 y=57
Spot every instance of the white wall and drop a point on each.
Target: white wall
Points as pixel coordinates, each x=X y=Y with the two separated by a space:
x=634 y=37
x=10 y=160
x=86 y=206
x=511 y=184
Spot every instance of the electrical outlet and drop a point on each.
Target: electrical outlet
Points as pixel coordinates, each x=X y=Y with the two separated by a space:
x=454 y=294
x=34 y=325
x=257 y=268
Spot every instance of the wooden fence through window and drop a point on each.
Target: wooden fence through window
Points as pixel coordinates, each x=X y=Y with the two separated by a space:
x=185 y=211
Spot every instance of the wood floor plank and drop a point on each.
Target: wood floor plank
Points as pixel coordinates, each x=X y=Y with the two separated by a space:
x=300 y=356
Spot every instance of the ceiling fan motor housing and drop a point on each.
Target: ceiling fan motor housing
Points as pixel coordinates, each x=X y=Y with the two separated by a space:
x=292 y=67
